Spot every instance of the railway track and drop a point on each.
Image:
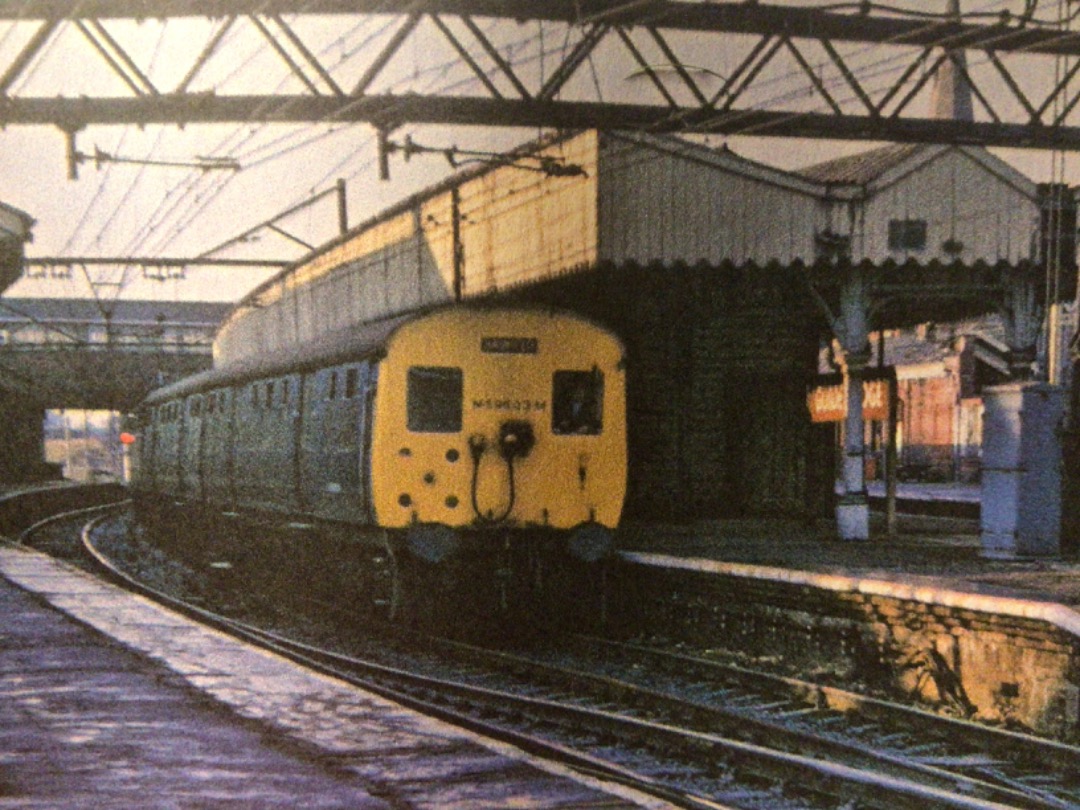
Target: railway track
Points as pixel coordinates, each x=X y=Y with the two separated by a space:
x=695 y=733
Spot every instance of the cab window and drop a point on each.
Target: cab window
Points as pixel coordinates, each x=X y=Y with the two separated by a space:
x=434 y=397
x=577 y=403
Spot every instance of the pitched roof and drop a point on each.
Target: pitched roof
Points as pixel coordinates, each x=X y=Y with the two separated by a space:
x=862 y=168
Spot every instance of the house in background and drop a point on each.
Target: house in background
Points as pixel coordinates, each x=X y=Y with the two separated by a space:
x=920 y=209
x=941 y=371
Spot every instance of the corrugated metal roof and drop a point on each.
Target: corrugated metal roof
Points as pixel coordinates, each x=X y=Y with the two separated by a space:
x=937 y=342
x=85 y=310
x=863 y=168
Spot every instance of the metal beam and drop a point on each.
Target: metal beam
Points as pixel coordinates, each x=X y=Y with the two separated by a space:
x=801 y=41
x=1011 y=33
x=423 y=109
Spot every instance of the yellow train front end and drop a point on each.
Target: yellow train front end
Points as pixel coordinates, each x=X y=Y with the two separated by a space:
x=498 y=423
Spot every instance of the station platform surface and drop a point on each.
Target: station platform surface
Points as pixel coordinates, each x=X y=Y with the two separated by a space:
x=109 y=701
x=935 y=552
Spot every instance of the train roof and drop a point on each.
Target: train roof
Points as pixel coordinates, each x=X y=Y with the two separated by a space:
x=347 y=344
x=351 y=343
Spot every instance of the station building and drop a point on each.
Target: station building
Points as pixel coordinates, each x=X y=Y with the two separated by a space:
x=713 y=268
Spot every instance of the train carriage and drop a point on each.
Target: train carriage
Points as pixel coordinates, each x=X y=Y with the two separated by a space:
x=441 y=435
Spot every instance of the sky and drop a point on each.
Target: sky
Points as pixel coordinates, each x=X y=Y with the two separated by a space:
x=133 y=209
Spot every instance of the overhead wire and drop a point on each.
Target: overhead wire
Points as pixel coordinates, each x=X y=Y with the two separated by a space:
x=253 y=159
x=198 y=202
x=799 y=91
x=844 y=99
x=284 y=150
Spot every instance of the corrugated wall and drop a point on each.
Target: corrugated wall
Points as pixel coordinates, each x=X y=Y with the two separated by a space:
x=520 y=226
x=959 y=199
x=400 y=263
x=515 y=225
x=667 y=202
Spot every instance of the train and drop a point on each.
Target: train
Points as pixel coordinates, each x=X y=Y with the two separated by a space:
x=465 y=433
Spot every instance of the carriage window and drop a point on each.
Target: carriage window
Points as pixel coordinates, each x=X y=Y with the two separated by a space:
x=332 y=392
x=577 y=402
x=434 y=399
x=351 y=377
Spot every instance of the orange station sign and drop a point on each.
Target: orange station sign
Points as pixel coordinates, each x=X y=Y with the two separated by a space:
x=828 y=401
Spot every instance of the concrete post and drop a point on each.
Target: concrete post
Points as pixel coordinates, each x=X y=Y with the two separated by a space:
x=853 y=505
x=1021 y=473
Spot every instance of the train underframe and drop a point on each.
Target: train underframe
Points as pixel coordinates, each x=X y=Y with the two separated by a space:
x=428 y=575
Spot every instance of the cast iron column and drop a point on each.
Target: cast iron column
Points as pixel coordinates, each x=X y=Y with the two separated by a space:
x=853 y=506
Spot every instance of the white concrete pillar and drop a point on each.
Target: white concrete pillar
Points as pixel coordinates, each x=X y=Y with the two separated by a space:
x=853 y=505
x=1021 y=471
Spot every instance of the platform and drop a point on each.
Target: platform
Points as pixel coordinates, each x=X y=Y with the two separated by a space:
x=932 y=552
x=110 y=701
x=922 y=613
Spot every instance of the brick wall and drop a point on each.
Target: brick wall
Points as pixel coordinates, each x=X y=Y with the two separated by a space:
x=994 y=667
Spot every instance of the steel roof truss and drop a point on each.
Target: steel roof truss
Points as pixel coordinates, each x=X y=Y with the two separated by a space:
x=496 y=57
x=731 y=16
x=1035 y=116
x=466 y=57
x=116 y=57
x=903 y=79
x=759 y=57
x=26 y=55
x=646 y=68
x=309 y=57
x=849 y=77
x=961 y=68
x=920 y=83
x=205 y=54
x=572 y=61
x=677 y=64
x=299 y=46
x=812 y=75
x=1068 y=108
x=391 y=48
x=1058 y=91
x=286 y=57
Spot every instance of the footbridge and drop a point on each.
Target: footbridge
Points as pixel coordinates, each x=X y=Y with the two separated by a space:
x=84 y=354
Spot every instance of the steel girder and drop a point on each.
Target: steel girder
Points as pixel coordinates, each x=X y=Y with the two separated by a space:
x=839 y=97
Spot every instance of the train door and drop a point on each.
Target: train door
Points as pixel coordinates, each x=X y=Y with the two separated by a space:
x=364 y=399
x=167 y=461
x=190 y=445
x=216 y=441
x=247 y=409
x=331 y=463
x=312 y=441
